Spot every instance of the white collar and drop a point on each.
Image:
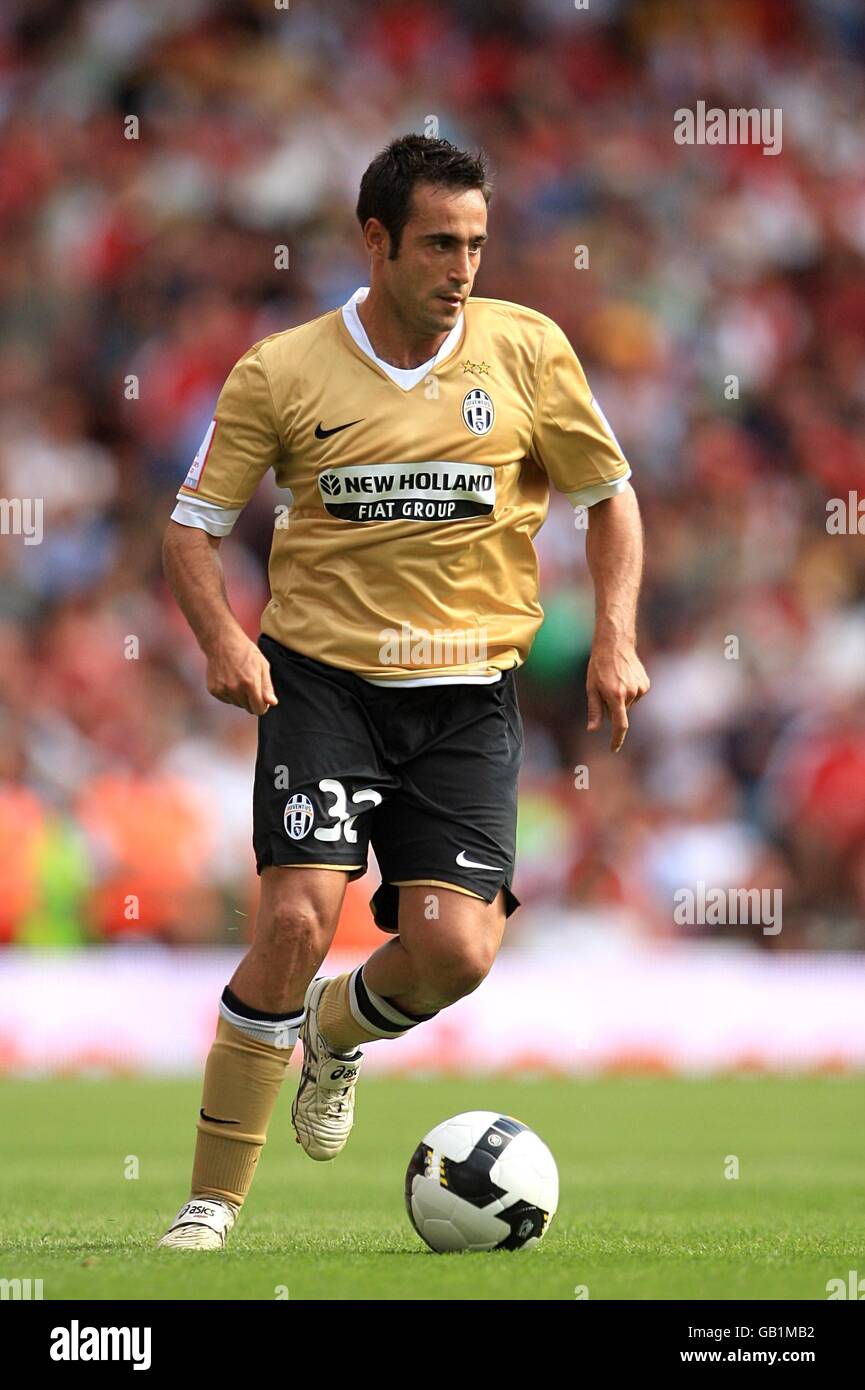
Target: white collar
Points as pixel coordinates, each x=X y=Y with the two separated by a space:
x=406 y=377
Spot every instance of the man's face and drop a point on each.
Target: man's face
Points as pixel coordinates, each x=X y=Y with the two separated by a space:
x=438 y=259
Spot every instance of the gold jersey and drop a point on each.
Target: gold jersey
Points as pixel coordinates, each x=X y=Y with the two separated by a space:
x=407 y=552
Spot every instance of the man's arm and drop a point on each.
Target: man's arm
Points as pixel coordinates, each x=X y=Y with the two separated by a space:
x=614 y=551
x=237 y=672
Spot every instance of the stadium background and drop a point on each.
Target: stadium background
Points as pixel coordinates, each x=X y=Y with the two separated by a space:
x=126 y=873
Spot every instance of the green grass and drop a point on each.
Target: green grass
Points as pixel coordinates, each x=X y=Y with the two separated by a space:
x=645 y=1210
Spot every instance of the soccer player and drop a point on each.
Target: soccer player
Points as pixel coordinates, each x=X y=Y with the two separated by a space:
x=419 y=429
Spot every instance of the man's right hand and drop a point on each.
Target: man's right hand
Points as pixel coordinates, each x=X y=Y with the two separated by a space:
x=238 y=674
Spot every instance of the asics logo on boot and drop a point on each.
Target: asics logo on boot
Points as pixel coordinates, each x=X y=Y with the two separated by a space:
x=348 y=1073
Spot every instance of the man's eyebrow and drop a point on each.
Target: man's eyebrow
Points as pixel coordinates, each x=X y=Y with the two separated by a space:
x=449 y=236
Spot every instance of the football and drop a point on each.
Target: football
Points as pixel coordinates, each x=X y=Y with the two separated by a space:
x=481 y=1181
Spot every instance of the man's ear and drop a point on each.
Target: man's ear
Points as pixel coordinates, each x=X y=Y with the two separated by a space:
x=376 y=237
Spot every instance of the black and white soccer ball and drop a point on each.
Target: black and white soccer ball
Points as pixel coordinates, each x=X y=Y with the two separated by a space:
x=481 y=1181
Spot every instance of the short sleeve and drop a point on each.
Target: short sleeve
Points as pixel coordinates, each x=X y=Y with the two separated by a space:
x=242 y=440
x=571 y=438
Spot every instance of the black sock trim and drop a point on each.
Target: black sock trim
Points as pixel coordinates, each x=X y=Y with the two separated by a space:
x=237 y=1006
x=372 y=1012
x=417 y=1018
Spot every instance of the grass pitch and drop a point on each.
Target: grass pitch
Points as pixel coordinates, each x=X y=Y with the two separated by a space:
x=646 y=1211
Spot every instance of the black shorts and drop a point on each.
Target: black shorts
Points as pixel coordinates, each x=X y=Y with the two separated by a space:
x=427 y=776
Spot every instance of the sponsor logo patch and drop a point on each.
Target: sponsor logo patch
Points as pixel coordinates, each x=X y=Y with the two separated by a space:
x=439 y=491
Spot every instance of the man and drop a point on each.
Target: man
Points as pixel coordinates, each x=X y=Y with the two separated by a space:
x=419 y=430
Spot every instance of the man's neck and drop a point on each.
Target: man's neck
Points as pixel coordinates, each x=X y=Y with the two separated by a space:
x=391 y=339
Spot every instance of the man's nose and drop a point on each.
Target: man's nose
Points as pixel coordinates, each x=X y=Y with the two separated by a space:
x=461 y=269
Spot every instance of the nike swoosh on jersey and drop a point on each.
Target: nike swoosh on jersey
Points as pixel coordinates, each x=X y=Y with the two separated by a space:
x=470 y=863
x=321 y=433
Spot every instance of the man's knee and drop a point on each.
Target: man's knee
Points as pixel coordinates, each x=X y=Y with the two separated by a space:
x=293 y=922
x=290 y=914
x=450 y=974
x=450 y=955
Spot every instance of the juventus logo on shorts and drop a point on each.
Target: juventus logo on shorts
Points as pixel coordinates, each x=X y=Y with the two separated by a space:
x=478 y=411
x=298 y=816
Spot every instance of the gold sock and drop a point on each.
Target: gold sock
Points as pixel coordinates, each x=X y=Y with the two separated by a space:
x=336 y=1020
x=350 y=1013
x=241 y=1083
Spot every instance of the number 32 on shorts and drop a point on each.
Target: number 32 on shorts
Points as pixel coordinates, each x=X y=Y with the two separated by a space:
x=338 y=810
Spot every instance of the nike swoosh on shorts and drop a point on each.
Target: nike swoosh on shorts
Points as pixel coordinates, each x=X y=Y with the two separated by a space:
x=470 y=863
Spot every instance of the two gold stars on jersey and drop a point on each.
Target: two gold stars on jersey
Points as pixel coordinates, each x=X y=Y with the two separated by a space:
x=479 y=367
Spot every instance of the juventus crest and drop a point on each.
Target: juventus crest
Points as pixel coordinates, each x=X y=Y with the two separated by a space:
x=478 y=411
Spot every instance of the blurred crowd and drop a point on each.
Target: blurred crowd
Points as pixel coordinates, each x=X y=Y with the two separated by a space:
x=721 y=322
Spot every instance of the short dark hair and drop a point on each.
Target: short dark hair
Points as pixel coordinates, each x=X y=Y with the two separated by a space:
x=387 y=185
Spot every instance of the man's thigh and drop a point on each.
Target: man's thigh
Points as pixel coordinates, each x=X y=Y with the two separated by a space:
x=319 y=771
x=297 y=915
x=294 y=898
x=439 y=924
x=452 y=821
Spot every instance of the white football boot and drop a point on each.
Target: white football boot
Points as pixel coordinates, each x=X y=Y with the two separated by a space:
x=323 y=1109
x=201 y=1224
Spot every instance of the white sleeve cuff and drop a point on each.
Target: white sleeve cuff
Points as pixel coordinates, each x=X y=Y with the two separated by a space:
x=598 y=492
x=207 y=516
